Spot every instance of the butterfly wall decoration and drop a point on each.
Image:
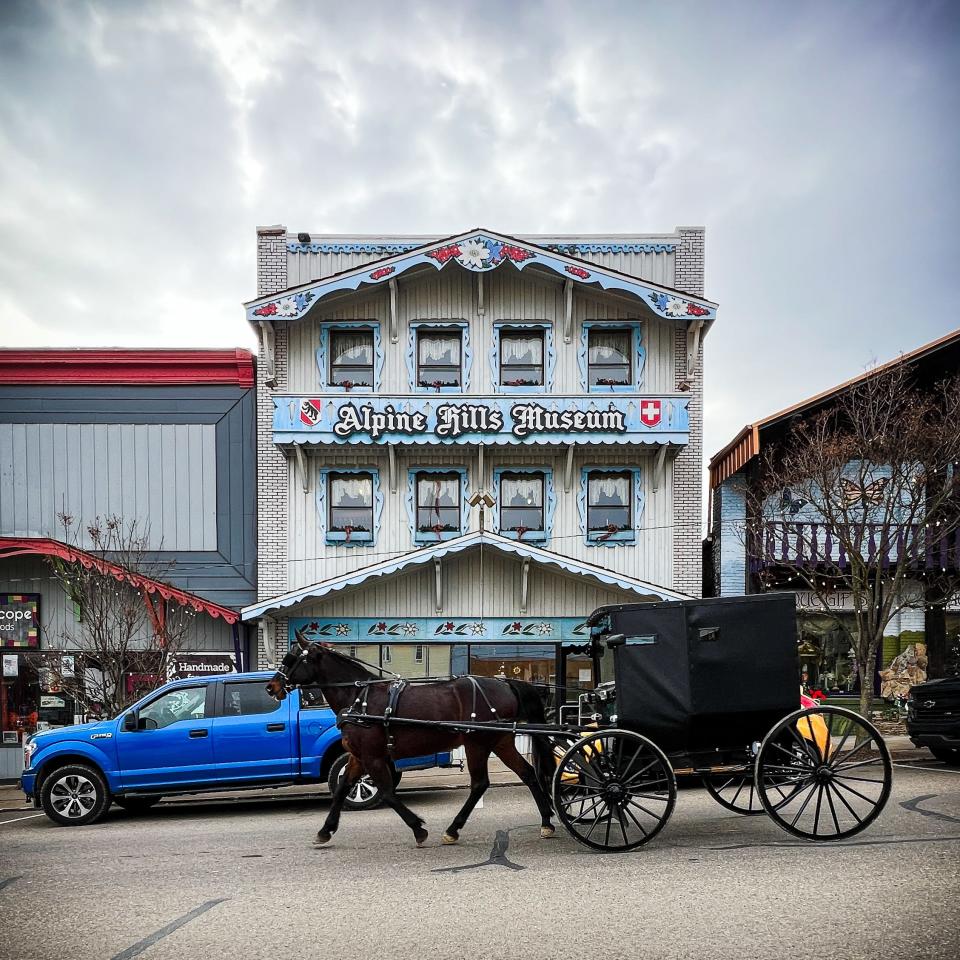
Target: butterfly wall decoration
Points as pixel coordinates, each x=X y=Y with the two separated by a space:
x=871 y=493
x=791 y=504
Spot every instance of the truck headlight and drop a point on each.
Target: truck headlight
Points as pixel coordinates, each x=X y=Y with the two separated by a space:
x=29 y=749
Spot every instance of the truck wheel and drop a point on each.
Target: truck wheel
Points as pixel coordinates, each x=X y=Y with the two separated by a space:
x=136 y=804
x=364 y=794
x=75 y=795
x=949 y=755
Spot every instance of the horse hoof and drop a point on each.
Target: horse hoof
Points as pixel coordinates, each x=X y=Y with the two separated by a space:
x=421 y=837
x=447 y=838
x=547 y=832
x=322 y=838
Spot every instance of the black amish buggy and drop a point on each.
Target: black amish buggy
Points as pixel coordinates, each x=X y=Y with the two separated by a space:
x=712 y=687
x=703 y=687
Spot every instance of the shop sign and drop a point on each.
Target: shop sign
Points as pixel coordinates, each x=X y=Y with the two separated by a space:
x=19 y=620
x=200 y=665
x=11 y=665
x=493 y=420
x=442 y=629
x=50 y=701
x=808 y=601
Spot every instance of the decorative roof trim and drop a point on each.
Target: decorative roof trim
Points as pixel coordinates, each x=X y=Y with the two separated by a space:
x=571 y=249
x=419 y=557
x=46 y=547
x=480 y=251
x=139 y=367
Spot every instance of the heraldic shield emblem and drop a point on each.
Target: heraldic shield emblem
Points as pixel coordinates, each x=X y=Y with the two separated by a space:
x=650 y=412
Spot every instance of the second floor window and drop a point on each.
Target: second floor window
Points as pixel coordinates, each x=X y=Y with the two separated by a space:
x=439 y=358
x=609 y=503
x=351 y=505
x=351 y=358
x=521 y=503
x=608 y=357
x=521 y=358
x=438 y=503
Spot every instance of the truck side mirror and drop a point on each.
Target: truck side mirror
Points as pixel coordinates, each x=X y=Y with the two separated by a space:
x=130 y=721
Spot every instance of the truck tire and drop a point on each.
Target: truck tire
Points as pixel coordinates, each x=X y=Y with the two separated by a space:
x=75 y=795
x=136 y=804
x=364 y=795
x=949 y=755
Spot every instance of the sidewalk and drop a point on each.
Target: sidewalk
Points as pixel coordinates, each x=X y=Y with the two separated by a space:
x=11 y=799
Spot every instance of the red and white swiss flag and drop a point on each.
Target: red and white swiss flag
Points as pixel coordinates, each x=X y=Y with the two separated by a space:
x=650 y=412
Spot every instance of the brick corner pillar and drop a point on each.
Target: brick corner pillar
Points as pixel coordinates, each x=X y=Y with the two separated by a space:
x=688 y=467
x=272 y=466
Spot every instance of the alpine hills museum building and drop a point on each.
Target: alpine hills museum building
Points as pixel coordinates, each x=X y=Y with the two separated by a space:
x=467 y=444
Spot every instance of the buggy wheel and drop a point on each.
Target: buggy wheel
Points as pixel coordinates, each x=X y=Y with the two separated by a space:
x=735 y=790
x=823 y=773
x=614 y=790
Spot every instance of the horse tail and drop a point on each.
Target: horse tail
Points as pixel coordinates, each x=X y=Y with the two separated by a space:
x=531 y=709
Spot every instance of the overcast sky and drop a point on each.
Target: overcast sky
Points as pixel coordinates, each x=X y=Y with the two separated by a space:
x=140 y=145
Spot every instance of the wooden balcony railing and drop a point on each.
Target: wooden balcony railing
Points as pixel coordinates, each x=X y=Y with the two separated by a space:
x=815 y=544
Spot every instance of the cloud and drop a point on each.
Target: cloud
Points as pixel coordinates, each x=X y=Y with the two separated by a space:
x=140 y=144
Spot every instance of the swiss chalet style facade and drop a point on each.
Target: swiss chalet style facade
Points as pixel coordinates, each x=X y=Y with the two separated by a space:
x=465 y=445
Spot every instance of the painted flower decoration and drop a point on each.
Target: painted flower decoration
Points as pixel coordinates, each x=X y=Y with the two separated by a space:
x=409 y=629
x=382 y=272
x=342 y=629
x=695 y=310
x=578 y=272
x=473 y=253
x=676 y=307
x=477 y=629
x=544 y=628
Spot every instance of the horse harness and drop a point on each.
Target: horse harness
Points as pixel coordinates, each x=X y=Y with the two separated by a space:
x=357 y=713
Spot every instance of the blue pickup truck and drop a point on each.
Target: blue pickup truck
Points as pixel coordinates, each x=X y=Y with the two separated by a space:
x=192 y=736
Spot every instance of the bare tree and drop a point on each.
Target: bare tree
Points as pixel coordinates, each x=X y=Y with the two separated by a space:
x=864 y=497
x=127 y=632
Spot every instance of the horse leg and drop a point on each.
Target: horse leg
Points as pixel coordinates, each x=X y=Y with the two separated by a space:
x=477 y=758
x=507 y=751
x=381 y=773
x=351 y=774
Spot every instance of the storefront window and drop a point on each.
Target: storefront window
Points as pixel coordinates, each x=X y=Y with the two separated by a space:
x=952 y=664
x=826 y=652
x=30 y=698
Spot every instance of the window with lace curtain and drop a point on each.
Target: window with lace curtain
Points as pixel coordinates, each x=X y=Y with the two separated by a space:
x=439 y=358
x=609 y=496
x=350 y=505
x=521 y=358
x=351 y=358
x=438 y=503
x=521 y=503
x=609 y=357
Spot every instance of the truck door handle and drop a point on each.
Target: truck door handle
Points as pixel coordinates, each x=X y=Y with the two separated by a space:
x=274 y=727
x=196 y=734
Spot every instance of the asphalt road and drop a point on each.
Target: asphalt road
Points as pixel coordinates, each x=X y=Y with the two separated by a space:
x=242 y=879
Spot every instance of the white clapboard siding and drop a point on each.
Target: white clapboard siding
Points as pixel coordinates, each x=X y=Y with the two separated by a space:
x=467 y=594
x=311 y=560
x=161 y=475
x=508 y=295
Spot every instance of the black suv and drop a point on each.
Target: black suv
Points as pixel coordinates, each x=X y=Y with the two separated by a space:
x=933 y=718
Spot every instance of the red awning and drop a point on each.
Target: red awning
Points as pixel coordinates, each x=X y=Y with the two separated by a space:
x=45 y=547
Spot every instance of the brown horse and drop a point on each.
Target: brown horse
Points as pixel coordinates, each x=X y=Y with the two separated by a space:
x=372 y=746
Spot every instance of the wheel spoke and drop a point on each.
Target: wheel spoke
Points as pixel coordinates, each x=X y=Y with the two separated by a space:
x=843 y=800
x=872 y=802
x=631 y=815
x=803 y=807
x=816 y=816
x=833 y=811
